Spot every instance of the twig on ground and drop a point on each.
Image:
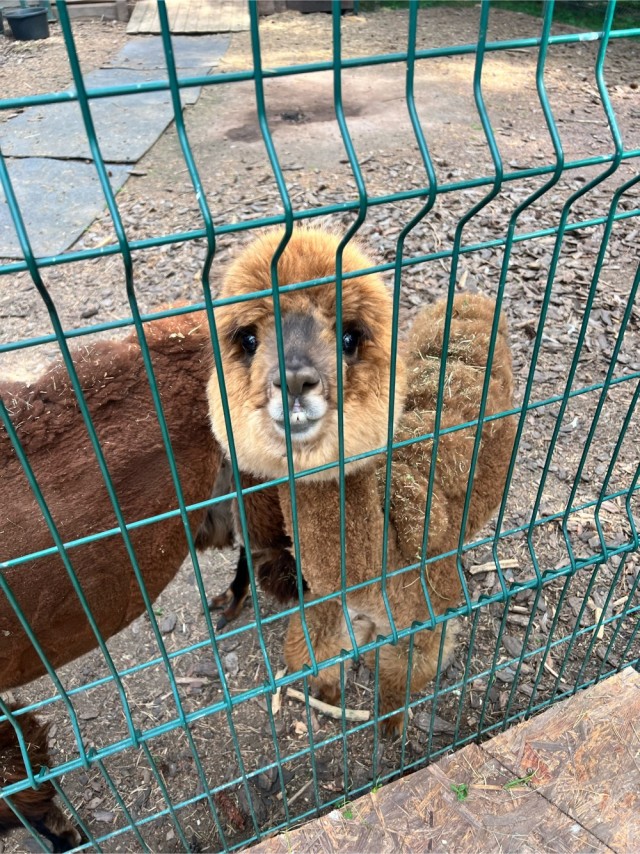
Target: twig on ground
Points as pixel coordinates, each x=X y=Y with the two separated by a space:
x=330 y=711
x=490 y=566
x=276 y=699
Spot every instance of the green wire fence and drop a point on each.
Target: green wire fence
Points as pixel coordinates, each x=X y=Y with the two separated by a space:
x=603 y=638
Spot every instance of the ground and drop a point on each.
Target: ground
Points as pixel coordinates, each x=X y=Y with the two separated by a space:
x=158 y=200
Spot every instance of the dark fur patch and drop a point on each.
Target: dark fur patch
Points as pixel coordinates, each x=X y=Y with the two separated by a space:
x=35 y=805
x=279 y=577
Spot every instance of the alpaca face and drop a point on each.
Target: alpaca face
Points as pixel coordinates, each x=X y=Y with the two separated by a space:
x=248 y=341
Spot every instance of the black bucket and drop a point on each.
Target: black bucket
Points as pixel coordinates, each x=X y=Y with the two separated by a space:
x=28 y=23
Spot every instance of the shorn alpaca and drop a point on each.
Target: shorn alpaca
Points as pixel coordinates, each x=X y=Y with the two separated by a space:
x=50 y=427
x=250 y=360
x=36 y=806
x=53 y=435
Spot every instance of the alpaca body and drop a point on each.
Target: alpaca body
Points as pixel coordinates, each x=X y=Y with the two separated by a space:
x=253 y=381
x=37 y=806
x=364 y=498
x=54 y=437
x=320 y=554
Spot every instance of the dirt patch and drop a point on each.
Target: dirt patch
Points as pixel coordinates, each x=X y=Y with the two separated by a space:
x=159 y=200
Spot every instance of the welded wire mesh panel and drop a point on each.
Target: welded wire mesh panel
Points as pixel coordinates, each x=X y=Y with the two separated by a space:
x=471 y=152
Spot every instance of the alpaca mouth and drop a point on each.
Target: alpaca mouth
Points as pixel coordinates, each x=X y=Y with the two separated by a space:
x=301 y=427
x=305 y=417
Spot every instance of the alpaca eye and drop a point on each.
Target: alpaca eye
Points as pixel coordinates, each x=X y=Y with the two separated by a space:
x=248 y=342
x=350 y=341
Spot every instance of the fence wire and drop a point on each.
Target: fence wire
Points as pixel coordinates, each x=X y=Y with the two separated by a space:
x=510 y=584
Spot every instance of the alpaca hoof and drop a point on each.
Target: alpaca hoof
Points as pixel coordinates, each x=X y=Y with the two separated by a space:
x=221 y=601
x=232 y=607
x=392 y=727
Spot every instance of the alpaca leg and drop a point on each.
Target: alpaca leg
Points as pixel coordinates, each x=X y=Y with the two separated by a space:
x=393 y=667
x=233 y=599
x=57 y=828
x=329 y=636
x=278 y=576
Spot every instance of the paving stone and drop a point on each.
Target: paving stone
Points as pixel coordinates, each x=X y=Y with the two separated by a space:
x=126 y=125
x=188 y=53
x=74 y=198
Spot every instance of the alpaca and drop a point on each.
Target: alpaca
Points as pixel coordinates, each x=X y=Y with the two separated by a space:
x=52 y=432
x=37 y=806
x=466 y=363
x=247 y=339
x=53 y=435
x=248 y=345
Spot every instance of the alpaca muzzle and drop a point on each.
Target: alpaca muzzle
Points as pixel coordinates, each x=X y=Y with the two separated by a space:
x=305 y=376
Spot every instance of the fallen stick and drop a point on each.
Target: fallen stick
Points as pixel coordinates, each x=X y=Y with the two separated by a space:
x=551 y=670
x=490 y=566
x=330 y=711
x=597 y=612
x=297 y=794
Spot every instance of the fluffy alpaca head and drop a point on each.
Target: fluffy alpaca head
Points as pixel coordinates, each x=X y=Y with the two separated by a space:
x=248 y=343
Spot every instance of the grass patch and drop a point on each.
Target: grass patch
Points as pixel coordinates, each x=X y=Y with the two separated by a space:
x=460 y=790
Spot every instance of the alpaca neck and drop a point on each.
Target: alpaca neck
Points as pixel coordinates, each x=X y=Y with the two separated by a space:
x=318 y=511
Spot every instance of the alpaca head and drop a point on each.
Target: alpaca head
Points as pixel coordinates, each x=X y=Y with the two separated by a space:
x=248 y=343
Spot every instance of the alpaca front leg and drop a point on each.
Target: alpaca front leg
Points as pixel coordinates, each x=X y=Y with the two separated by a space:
x=233 y=599
x=393 y=670
x=329 y=636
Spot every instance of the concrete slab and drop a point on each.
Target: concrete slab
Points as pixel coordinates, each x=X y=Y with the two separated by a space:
x=189 y=53
x=73 y=199
x=126 y=125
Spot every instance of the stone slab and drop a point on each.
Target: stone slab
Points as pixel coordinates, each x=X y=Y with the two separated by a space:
x=189 y=53
x=126 y=125
x=73 y=199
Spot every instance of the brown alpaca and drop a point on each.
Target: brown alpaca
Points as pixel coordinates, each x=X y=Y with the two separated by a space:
x=37 y=806
x=248 y=345
x=53 y=435
x=468 y=347
x=248 y=342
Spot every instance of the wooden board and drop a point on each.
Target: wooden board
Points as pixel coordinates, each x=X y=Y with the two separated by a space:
x=191 y=16
x=586 y=756
x=584 y=794
x=422 y=813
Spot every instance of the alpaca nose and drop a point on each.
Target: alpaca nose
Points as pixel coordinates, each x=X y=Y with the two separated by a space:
x=299 y=380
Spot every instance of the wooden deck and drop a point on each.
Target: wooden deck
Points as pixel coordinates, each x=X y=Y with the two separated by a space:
x=583 y=795
x=191 y=16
